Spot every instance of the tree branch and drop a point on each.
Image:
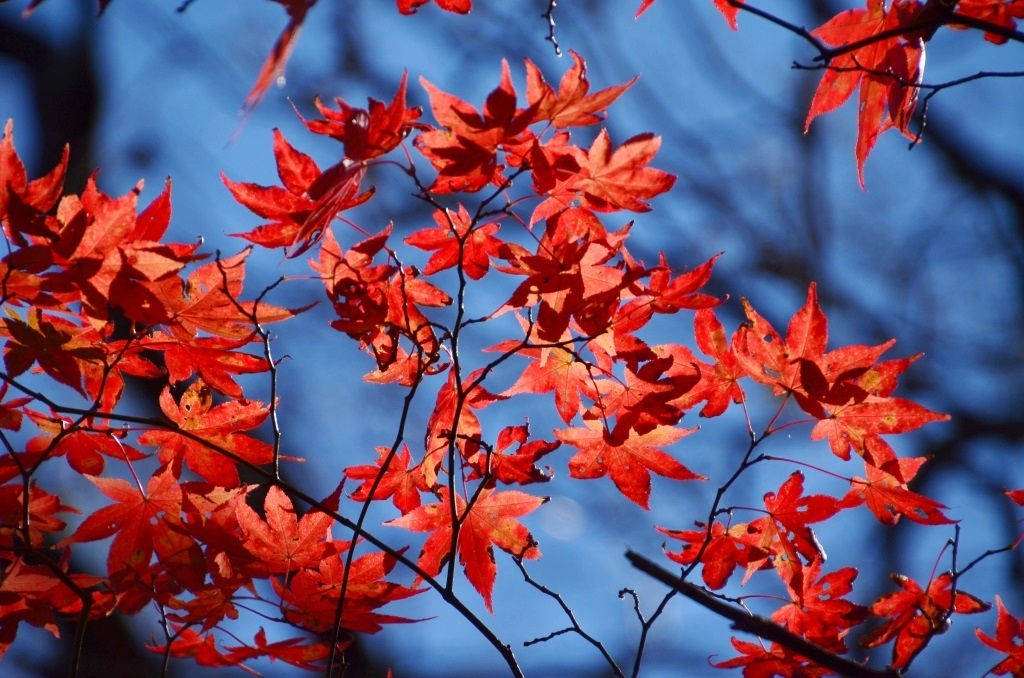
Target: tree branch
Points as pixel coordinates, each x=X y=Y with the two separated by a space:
x=757 y=625
x=826 y=53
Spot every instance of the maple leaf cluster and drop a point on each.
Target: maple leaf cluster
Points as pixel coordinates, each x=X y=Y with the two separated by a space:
x=94 y=297
x=582 y=304
x=847 y=393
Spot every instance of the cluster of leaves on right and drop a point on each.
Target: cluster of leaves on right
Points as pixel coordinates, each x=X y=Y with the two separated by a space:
x=882 y=56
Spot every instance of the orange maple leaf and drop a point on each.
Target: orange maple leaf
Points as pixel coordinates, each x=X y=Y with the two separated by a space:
x=283 y=542
x=572 y=105
x=603 y=179
x=136 y=519
x=219 y=425
x=273 y=67
x=1009 y=640
x=887 y=72
x=626 y=456
x=916 y=614
x=489 y=522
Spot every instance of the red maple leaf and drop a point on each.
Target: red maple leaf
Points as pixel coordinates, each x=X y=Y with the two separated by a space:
x=103 y=258
x=301 y=211
x=357 y=287
x=104 y=254
x=488 y=523
x=137 y=520
x=43 y=508
x=40 y=195
x=464 y=150
x=368 y=133
x=219 y=425
x=85 y=449
x=792 y=513
x=571 y=276
x=185 y=641
x=1009 y=640
x=519 y=467
x=210 y=514
x=728 y=8
x=456 y=6
x=457 y=241
x=454 y=422
x=886 y=495
x=553 y=281
x=784 y=534
x=11 y=414
x=28 y=593
x=777 y=660
x=1017 y=496
x=399 y=482
x=311 y=596
x=626 y=456
x=552 y=368
x=102 y=4
x=999 y=12
x=210 y=300
x=300 y=652
x=287 y=206
x=63 y=350
x=212 y=358
x=72 y=353
x=727 y=549
x=817 y=609
x=860 y=424
x=210 y=605
x=572 y=105
x=645 y=398
x=284 y=543
x=665 y=294
x=602 y=179
x=273 y=67
x=378 y=304
x=887 y=72
x=718 y=384
x=775 y=362
x=916 y=614
x=643 y=8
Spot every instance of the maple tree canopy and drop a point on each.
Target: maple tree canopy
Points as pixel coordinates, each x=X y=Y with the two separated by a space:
x=197 y=519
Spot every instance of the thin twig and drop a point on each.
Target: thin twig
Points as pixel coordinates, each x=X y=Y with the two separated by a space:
x=549 y=16
x=575 y=628
x=253 y=317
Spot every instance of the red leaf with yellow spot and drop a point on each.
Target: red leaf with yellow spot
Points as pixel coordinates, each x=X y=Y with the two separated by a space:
x=219 y=432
